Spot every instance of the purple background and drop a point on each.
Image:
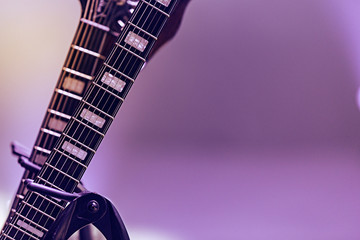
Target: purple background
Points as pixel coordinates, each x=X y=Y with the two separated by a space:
x=245 y=126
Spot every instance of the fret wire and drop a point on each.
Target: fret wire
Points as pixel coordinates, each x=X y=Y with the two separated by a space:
x=71 y=158
x=25 y=218
x=23 y=231
x=50 y=132
x=158 y=9
x=62 y=172
x=77 y=73
x=48 y=199
x=97 y=109
x=94 y=24
x=51 y=184
x=93 y=129
x=68 y=94
x=7 y=236
x=132 y=24
x=80 y=143
x=60 y=114
x=115 y=95
x=127 y=50
x=115 y=70
x=42 y=149
x=84 y=50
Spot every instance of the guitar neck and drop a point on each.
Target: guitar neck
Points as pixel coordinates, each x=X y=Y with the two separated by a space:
x=87 y=127
x=90 y=45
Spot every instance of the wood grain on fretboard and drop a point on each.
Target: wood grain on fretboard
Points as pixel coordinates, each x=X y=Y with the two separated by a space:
x=90 y=122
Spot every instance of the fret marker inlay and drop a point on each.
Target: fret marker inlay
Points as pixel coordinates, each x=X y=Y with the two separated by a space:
x=57 y=124
x=136 y=41
x=164 y=2
x=72 y=149
x=92 y=117
x=30 y=228
x=113 y=82
x=73 y=85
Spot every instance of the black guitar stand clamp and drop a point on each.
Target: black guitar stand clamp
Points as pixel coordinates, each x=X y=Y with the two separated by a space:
x=84 y=208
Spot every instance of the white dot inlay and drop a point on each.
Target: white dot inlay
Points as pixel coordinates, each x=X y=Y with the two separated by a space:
x=164 y=2
x=73 y=85
x=136 y=41
x=92 y=117
x=72 y=149
x=30 y=228
x=113 y=82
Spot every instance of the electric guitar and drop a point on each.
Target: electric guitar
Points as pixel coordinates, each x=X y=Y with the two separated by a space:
x=100 y=24
x=87 y=127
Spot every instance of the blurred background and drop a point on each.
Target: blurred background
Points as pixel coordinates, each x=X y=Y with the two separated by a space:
x=245 y=126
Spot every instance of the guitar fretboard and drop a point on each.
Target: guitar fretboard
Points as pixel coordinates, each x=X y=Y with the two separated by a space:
x=87 y=127
x=91 y=43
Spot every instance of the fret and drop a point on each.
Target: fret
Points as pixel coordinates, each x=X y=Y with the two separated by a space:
x=92 y=118
x=50 y=132
x=87 y=126
x=31 y=221
x=78 y=142
x=39 y=211
x=48 y=199
x=73 y=150
x=71 y=158
x=97 y=109
x=87 y=51
x=60 y=114
x=7 y=236
x=155 y=38
x=84 y=71
x=129 y=51
x=55 y=177
x=71 y=95
x=112 y=84
x=117 y=71
x=79 y=74
x=157 y=9
x=103 y=100
x=84 y=134
x=29 y=228
x=72 y=168
x=64 y=173
x=50 y=184
x=47 y=140
x=95 y=24
x=23 y=231
x=19 y=196
x=154 y=20
x=42 y=149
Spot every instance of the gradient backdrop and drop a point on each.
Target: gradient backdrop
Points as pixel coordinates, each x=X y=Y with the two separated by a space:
x=245 y=126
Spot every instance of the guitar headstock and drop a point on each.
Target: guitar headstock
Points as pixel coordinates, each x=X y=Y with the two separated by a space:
x=109 y=13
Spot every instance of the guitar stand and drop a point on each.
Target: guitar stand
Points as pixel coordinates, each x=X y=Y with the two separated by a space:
x=84 y=208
